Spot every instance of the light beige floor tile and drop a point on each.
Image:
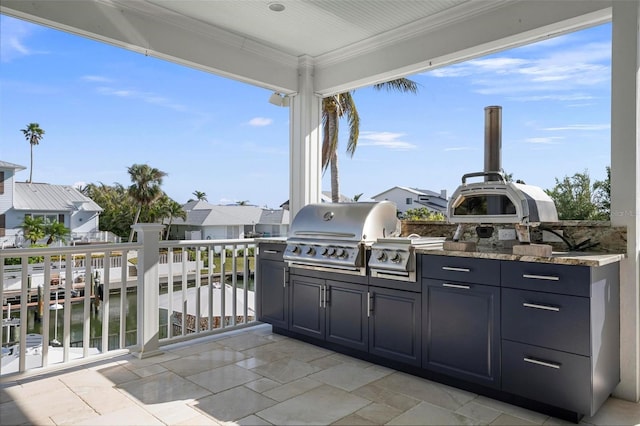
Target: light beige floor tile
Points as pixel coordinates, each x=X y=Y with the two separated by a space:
x=197 y=363
x=198 y=420
x=354 y=420
x=513 y=410
x=262 y=385
x=509 y=420
x=11 y=414
x=135 y=362
x=253 y=362
x=163 y=387
x=252 y=420
x=149 y=370
x=302 y=351
x=133 y=416
x=616 y=412
x=382 y=395
x=173 y=412
x=426 y=390
x=85 y=378
x=378 y=413
x=104 y=400
x=348 y=376
x=553 y=421
x=481 y=413
x=320 y=406
x=291 y=389
x=325 y=362
x=233 y=404
x=244 y=341
x=63 y=406
x=286 y=370
x=350 y=360
x=118 y=374
x=223 y=378
x=429 y=414
x=194 y=349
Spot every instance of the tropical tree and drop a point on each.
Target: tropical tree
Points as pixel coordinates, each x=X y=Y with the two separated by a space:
x=56 y=231
x=172 y=209
x=577 y=199
x=118 y=207
x=145 y=187
x=33 y=228
x=340 y=106
x=422 y=213
x=34 y=134
x=242 y=203
x=200 y=196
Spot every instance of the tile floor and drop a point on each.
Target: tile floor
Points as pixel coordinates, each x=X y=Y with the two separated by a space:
x=254 y=377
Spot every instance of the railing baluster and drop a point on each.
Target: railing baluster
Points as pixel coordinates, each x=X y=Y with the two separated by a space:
x=24 y=296
x=46 y=296
x=106 y=279
x=88 y=287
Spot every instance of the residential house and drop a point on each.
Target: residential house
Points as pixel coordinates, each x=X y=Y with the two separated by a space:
x=325 y=197
x=63 y=203
x=208 y=221
x=414 y=198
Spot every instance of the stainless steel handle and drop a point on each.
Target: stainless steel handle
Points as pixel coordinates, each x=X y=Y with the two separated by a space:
x=543 y=363
x=541 y=277
x=321 y=295
x=545 y=307
x=451 y=268
x=271 y=251
x=368 y=304
x=284 y=277
x=466 y=287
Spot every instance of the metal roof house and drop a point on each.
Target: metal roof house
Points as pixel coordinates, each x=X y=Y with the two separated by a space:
x=63 y=203
x=413 y=198
x=208 y=221
x=306 y=50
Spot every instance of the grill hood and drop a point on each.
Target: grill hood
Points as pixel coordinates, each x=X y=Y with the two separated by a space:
x=354 y=222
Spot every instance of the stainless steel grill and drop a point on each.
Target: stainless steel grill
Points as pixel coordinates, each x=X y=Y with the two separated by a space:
x=334 y=236
x=394 y=258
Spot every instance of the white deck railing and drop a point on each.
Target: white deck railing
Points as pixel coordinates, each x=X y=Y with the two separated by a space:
x=207 y=288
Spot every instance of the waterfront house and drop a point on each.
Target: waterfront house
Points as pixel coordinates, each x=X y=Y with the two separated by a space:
x=62 y=203
x=413 y=198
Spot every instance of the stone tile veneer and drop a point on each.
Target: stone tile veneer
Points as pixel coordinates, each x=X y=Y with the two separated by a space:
x=608 y=239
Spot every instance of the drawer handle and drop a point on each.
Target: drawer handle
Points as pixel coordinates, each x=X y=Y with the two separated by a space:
x=272 y=251
x=544 y=364
x=451 y=268
x=466 y=287
x=545 y=307
x=541 y=277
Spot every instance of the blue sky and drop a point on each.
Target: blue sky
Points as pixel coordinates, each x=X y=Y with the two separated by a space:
x=104 y=108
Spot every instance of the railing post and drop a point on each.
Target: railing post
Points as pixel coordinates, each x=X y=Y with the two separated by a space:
x=148 y=289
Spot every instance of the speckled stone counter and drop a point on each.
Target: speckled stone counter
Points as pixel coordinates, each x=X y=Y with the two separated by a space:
x=561 y=258
x=275 y=240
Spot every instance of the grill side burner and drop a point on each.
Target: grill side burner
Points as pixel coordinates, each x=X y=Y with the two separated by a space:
x=395 y=258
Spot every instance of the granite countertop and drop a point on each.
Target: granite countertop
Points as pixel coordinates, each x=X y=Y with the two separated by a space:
x=277 y=240
x=560 y=258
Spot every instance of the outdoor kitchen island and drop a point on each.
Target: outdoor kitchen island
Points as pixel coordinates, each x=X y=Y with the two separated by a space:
x=542 y=333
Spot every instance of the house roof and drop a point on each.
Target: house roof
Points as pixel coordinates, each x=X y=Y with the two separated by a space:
x=201 y=213
x=412 y=190
x=7 y=165
x=51 y=198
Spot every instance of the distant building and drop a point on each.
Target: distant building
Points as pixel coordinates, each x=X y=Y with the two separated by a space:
x=209 y=222
x=325 y=197
x=414 y=198
x=63 y=203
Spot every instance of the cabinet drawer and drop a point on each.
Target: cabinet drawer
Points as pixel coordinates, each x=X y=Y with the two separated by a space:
x=545 y=319
x=461 y=269
x=271 y=251
x=552 y=377
x=548 y=277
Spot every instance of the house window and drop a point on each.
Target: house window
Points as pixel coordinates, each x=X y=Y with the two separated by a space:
x=48 y=218
x=409 y=201
x=1 y=183
x=2 y=225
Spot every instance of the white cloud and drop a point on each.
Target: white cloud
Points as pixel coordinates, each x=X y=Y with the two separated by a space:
x=147 y=97
x=14 y=35
x=458 y=148
x=589 y=127
x=260 y=122
x=96 y=78
x=384 y=139
x=543 y=140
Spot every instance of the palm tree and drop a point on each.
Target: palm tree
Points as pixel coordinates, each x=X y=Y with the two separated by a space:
x=145 y=187
x=33 y=228
x=57 y=231
x=34 y=134
x=200 y=196
x=173 y=209
x=340 y=106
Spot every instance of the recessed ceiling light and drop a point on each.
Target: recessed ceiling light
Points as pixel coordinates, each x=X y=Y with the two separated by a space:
x=276 y=7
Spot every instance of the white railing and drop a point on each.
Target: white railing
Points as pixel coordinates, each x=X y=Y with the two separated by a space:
x=140 y=304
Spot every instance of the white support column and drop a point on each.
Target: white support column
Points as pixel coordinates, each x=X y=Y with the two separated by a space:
x=625 y=183
x=305 y=181
x=148 y=289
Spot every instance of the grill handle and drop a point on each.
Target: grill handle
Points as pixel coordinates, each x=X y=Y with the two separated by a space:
x=478 y=174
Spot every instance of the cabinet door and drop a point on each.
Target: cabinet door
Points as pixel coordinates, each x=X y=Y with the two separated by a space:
x=462 y=337
x=307 y=313
x=346 y=314
x=395 y=325
x=273 y=293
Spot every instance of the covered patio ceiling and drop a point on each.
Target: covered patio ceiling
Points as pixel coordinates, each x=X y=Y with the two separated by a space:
x=350 y=43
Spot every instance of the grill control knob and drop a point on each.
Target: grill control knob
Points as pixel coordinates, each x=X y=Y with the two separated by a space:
x=325 y=252
x=342 y=254
x=396 y=257
x=381 y=256
x=332 y=252
x=310 y=251
x=295 y=250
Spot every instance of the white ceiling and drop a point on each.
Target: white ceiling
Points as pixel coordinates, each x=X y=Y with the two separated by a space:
x=349 y=43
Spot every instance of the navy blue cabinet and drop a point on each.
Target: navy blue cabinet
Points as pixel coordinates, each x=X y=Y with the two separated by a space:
x=272 y=290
